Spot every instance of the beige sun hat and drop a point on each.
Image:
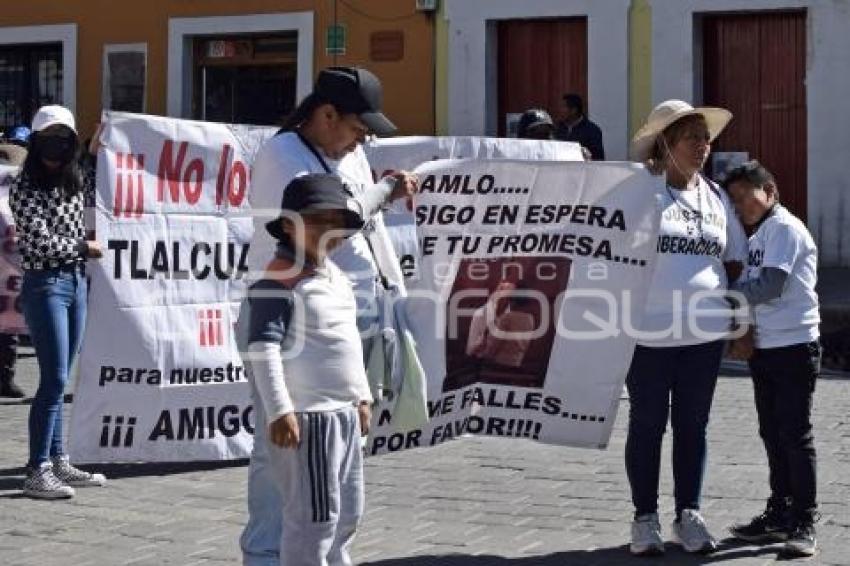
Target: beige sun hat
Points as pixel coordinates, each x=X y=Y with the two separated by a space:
x=668 y=112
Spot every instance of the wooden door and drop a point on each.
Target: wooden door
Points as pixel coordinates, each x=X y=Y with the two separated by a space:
x=538 y=62
x=754 y=64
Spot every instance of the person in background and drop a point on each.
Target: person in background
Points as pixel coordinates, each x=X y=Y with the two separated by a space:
x=13 y=151
x=779 y=284
x=701 y=247
x=13 y=148
x=535 y=124
x=575 y=126
x=47 y=205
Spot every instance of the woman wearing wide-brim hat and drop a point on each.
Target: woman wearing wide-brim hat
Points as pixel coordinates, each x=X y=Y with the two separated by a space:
x=674 y=370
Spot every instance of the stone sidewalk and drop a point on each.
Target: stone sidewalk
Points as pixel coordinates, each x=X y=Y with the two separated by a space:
x=474 y=502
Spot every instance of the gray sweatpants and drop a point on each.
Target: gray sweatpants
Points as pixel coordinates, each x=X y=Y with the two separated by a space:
x=321 y=488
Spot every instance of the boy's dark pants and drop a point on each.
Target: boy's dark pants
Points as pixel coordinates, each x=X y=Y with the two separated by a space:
x=784 y=382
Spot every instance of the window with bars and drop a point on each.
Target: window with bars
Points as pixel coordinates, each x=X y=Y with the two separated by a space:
x=124 y=72
x=30 y=77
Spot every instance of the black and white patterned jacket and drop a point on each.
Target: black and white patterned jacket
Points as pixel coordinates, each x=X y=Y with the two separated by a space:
x=49 y=223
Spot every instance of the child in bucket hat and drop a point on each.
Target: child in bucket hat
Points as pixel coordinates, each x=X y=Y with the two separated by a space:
x=299 y=337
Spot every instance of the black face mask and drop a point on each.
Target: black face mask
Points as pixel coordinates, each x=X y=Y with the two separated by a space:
x=56 y=148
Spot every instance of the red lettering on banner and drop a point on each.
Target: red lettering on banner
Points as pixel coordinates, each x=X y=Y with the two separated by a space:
x=176 y=177
x=129 y=187
x=211 y=329
x=222 y=174
x=232 y=179
x=238 y=185
x=172 y=174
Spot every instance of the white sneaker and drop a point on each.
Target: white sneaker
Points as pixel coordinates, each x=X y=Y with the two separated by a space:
x=692 y=533
x=646 y=536
x=42 y=483
x=68 y=474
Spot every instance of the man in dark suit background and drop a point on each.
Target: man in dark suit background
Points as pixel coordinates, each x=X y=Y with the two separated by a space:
x=576 y=127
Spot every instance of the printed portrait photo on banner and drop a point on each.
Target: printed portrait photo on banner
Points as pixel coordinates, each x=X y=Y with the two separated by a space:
x=501 y=320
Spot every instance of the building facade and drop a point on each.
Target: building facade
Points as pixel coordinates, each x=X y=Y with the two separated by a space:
x=778 y=65
x=468 y=68
x=246 y=62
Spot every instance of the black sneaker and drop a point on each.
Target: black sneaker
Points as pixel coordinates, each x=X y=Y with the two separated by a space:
x=769 y=527
x=802 y=542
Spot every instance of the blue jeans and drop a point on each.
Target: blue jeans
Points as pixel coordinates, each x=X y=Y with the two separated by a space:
x=260 y=540
x=676 y=383
x=54 y=305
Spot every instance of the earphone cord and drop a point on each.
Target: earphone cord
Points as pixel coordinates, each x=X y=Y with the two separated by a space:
x=698 y=211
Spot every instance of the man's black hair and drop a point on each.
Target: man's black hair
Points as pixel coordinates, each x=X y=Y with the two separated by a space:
x=573 y=100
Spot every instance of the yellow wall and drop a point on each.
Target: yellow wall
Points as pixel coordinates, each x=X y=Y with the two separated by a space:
x=408 y=84
x=640 y=63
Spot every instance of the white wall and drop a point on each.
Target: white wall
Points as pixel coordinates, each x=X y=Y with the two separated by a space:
x=66 y=34
x=472 y=89
x=827 y=94
x=182 y=30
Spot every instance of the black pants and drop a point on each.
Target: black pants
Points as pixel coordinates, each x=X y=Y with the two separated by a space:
x=675 y=384
x=784 y=382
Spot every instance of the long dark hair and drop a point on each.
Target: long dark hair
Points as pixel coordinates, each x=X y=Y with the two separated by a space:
x=304 y=111
x=69 y=177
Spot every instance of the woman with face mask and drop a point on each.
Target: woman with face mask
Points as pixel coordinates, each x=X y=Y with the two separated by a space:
x=47 y=202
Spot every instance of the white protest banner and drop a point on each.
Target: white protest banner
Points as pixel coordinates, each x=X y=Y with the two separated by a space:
x=407 y=153
x=530 y=275
x=160 y=375
x=11 y=316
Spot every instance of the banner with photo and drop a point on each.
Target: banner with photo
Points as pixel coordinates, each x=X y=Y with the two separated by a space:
x=530 y=274
x=510 y=247
x=11 y=315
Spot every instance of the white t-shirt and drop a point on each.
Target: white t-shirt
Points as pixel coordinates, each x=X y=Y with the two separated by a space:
x=285 y=157
x=699 y=232
x=783 y=242
x=321 y=368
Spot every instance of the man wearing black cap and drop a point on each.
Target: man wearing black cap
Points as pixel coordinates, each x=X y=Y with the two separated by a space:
x=323 y=135
x=300 y=340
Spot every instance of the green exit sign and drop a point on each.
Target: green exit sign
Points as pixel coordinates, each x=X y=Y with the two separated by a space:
x=335 y=40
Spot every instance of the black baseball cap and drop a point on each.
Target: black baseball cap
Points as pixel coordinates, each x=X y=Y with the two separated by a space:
x=533 y=118
x=356 y=91
x=317 y=192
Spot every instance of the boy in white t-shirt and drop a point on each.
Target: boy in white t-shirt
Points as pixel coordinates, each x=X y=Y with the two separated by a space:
x=298 y=331
x=779 y=284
